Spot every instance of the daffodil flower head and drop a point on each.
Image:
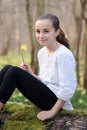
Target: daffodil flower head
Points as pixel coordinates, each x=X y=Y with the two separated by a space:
x=23 y=47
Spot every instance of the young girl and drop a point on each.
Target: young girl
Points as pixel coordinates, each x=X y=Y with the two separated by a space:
x=53 y=88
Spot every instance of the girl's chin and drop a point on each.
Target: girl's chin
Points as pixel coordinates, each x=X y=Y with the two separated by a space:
x=42 y=43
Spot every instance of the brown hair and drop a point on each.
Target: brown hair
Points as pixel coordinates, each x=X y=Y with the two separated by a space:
x=55 y=21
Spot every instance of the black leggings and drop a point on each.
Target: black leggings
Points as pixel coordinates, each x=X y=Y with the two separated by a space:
x=12 y=77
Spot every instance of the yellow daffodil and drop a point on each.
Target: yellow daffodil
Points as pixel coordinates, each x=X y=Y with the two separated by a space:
x=23 y=48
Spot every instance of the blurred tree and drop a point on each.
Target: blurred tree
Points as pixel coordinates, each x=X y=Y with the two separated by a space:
x=79 y=20
x=31 y=17
x=80 y=23
x=82 y=39
x=85 y=42
x=84 y=17
x=85 y=68
x=6 y=28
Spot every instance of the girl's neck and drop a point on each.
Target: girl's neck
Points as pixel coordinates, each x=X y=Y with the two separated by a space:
x=51 y=49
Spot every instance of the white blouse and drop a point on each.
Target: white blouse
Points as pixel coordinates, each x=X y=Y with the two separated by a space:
x=58 y=73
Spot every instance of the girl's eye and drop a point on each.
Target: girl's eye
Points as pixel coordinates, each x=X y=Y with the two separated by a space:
x=46 y=31
x=37 y=31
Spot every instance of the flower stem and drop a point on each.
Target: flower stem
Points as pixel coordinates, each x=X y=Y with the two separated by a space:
x=22 y=57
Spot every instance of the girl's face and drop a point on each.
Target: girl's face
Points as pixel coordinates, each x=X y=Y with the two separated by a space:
x=45 y=32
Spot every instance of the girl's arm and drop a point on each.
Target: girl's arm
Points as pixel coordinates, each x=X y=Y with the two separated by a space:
x=28 y=69
x=44 y=115
x=58 y=105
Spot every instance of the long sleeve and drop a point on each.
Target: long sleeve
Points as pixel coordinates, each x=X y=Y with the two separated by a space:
x=67 y=77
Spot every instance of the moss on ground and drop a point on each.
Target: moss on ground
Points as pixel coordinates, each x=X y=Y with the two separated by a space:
x=23 y=117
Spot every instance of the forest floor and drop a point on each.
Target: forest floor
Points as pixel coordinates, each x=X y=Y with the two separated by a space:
x=65 y=122
x=68 y=122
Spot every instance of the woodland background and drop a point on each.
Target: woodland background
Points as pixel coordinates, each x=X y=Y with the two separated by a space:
x=17 y=18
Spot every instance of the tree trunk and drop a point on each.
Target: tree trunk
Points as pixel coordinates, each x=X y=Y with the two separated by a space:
x=85 y=68
x=85 y=65
x=30 y=18
x=85 y=44
x=30 y=29
x=78 y=48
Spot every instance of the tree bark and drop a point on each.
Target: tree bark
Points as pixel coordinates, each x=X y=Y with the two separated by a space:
x=30 y=18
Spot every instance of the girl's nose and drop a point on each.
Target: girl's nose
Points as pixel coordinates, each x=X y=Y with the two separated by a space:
x=41 y=34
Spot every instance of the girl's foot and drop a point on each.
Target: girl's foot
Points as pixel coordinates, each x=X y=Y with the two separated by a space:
x=1 y=105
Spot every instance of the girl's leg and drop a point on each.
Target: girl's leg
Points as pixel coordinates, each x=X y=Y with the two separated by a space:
x=3 y=71
x=29 y=86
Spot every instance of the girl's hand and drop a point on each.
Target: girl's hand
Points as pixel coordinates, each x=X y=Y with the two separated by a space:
x=44 y=115
x=26 y=67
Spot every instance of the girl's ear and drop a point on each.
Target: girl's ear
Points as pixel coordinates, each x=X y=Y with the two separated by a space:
x=57 y=32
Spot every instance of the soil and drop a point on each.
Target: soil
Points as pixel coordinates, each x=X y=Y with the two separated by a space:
x=3 y=117
x=66 y=122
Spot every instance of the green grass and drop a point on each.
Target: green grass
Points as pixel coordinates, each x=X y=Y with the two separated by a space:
x=79 y=99
x=14 y=59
